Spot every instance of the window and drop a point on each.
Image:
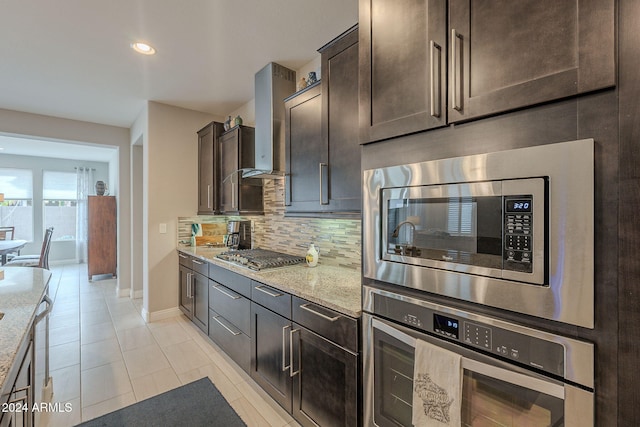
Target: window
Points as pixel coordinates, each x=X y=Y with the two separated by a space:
x=461 y=217
x=59 y=199
x=17 y=208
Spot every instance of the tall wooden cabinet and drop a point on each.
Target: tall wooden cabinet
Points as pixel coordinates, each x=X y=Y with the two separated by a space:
x=208 y=171
x=101 y=242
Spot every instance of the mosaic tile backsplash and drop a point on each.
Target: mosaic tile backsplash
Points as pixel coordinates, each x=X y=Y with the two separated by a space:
x=339 y=240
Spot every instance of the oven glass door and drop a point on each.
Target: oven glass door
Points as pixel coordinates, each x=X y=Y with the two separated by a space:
x=491 y=395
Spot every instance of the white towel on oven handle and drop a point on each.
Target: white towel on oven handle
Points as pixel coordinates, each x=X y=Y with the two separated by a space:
x=437 y=386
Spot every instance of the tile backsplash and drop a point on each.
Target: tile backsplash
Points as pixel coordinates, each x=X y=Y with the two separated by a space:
x=339 y=240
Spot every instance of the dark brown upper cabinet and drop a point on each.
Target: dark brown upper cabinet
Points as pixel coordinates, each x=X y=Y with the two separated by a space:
x=403 y=51
x=322 y=143
x=305 y=180
x=340 y=122
x=508 y=55
x=420 y=70
x=237 y=151
x=208 y=173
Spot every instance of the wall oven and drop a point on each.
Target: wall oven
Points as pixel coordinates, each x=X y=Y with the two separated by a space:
x=510 y=375
x=511 y=229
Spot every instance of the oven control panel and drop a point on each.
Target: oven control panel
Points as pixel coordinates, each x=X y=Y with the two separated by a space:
x=519 y=345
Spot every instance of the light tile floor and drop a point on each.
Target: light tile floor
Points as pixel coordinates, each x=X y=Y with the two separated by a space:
x=103 y=356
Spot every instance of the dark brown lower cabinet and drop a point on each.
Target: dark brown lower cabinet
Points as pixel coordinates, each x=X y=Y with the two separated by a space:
x=185 y=298
x=313 y=378
x=194 y=292
x=270 y=359
x=201 y=301
x=20 y=399
x=325 y=381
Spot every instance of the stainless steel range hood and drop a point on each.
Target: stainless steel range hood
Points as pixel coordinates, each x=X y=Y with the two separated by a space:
x=273 y=84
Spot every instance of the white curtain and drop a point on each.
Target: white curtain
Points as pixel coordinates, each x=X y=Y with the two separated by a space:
x=85 y=188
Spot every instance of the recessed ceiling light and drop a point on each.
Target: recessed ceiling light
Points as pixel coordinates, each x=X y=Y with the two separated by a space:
x=143 y=48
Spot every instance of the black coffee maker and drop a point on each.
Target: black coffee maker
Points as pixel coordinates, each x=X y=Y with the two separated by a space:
x=239 y=234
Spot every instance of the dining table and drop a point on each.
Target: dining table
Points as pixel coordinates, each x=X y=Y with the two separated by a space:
x=9 y=246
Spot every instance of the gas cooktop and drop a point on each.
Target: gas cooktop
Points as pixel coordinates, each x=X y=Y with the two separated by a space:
x=260 y=259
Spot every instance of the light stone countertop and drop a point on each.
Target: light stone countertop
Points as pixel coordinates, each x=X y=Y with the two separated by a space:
x=21 y=293
x=338 y=288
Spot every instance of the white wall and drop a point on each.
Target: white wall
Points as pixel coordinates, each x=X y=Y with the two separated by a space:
x=60 y=250
x=170 y=185
x=74 y=131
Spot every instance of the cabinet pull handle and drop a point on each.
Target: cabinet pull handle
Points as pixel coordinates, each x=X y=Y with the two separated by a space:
x=456 y=70
x=293 y=373
x=235 y=334
x=262 y=289
x=322 y=202
x=233 y=195
x=331 y=319
x=195 y=261
x=182 y=256
x=435 y=82
x=189 y=285
x=209 y=196
x=284 y=351
x=218 y=288
x=47 y=310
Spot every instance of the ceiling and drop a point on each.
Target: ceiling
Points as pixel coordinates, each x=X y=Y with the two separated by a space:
x=71 y=58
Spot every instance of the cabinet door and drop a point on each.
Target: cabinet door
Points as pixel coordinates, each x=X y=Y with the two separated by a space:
x=22 y=395
x=270 y=354
x=102 y=232
x=402 y=67
x=185 y=298
x=306 y=180
x=206 y=170
x=507 y=55
x=229 y=175
x=340 y=126
x=201 y=302
x=319 y=364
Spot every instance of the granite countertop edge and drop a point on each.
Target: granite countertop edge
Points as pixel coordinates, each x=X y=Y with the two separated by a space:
x=20 y=310
x=337 y=288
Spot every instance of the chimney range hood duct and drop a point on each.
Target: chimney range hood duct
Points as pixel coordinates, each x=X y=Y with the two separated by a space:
x=272 y=85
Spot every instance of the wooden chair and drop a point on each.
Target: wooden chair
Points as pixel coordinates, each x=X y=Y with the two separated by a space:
x=7 y=233
x=40 y=261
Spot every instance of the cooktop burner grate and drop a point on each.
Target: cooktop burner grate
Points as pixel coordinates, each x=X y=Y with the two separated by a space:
x=260 y=259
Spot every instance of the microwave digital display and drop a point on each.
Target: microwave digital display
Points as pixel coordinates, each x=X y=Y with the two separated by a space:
x=519 y=205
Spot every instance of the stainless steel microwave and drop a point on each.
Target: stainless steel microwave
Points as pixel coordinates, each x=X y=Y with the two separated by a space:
x=512 y=229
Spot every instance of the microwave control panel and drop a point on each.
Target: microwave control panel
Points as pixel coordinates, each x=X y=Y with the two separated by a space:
x=518 y=233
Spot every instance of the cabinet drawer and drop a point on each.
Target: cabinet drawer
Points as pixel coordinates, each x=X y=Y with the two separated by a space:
x=184 y=260
x=230 y=305
x=231 y=280
x=200 y=266
x=334 y=326
x=271 y=298
x=236 y=344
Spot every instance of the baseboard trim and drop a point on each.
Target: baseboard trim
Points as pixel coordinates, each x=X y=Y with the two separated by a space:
x=123 y=292
x=136 y=294
x=159 y=315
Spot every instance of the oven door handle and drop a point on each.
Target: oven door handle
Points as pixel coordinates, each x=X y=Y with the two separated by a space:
x=515 y=378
